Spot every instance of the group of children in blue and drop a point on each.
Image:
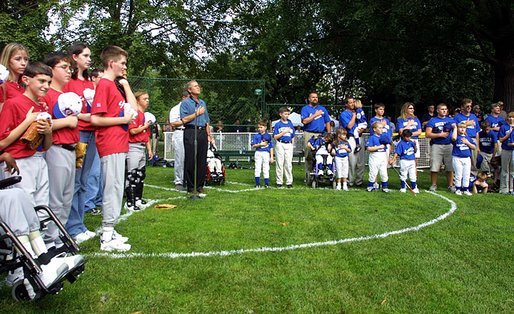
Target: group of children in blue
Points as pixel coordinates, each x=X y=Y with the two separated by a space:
x=331 y=150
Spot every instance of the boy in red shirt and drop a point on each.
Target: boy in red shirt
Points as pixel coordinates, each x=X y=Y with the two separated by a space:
x=112 y=137
x=36 y=77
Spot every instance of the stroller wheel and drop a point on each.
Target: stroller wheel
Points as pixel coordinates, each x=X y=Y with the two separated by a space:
x=19 y=292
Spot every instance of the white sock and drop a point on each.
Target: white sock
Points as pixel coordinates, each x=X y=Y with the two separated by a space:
x=107 y=234
x=37 y=243
x=26 y=244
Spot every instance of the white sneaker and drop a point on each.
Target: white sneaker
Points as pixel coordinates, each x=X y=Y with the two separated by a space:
x=338 y=187
x=141 y=204
x=385 y=190
x=433 y=188
x=403 y=190
x=118 y=237
x=468 y=193
x=370 y=189
x=330 y=172
x=90 y=234
x=345 y=187
x=415 y=190
x=81 y=237
x=53 y=271
x=72 y=261
x=114 y=245
x=14 y=276
x=458 y=192
x=320 y=172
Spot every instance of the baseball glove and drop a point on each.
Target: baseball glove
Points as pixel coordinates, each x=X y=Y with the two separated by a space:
x=31 y=137
x=80 y=152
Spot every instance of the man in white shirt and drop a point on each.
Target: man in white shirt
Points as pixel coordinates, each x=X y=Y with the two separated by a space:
x=178 y=142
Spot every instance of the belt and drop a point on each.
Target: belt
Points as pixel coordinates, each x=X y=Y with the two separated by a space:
x=68 y=147
x=190 y=126
x=180 y=129
x=283 y=142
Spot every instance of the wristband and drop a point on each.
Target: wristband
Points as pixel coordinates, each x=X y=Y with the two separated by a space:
x=182 y=120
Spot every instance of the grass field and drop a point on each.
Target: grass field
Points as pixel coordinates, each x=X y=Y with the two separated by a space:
x=463 y=263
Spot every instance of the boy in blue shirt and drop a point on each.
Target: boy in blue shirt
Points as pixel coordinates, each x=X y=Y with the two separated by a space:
x=488 y=144
x=284 y=134
x=377 y=149
x=263 y=153
x=406 y=150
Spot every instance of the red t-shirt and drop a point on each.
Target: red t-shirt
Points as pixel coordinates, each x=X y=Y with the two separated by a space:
x=13 y=114
x=78 y=86
x=64 y=135
x=109 y=102
x=10 y=90
x=139 y=121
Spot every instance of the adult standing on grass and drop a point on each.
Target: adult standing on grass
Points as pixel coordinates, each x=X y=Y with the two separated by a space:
x=506 y=155
x=316 y=120
x=439 y=131
x=194 y=115
x=408 y=121
x=347 y=120
x=178 y=142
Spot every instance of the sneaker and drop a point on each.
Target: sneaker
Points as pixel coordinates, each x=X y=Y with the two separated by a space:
x=14 y=276
x=452 y=189
x=415 y=190
x=458 y=192
x=118 y=237
x=131 y=208
x=345 y=187
x=142 y=204
x=289 y=186
x=266 y=186
x=114 y=245
x=330 y=172
x=257 y=186
x=72 y=261
x=320 y=172
x=433 y=188
x=90 y=234
x=403 y=190
x=468 y=193
x=30 y=290
x=96 y=211
x=370 y=189
x=279 y=186
x=53 y=271
x=385 y=190
x=338 y=187
x=81 y=237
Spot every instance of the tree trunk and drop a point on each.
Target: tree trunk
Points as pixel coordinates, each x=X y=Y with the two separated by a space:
x=504 y=74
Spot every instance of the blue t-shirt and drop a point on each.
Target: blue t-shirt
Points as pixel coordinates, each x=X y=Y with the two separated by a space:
x=387 y=127
x=341 y=152
x=487 y=140
x=459 y=148
x=495 y=122
x=402 y=123
x=344 y=119
x=259 y=138
x=317 y=142
x=279 y=127
x=405 y=149
x=188 y=106
x=360 y=116
x=471 y=130
x=503 y=131
x=439 y=125
x=319 y=123
x=374 y=140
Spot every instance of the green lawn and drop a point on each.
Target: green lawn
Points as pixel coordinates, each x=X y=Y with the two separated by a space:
x=461 y=264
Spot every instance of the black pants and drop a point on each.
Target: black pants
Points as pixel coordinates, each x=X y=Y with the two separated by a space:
x=189 y=158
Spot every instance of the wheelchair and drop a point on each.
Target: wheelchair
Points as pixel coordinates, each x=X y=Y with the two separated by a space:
x=14 y=255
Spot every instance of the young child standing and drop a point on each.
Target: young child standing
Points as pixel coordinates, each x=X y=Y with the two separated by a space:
x=136 y=158
x=406 y=150
x=342 y=150
x=263 y=153
x=378 y=158
x=284 y=134
x=15 y=58
x=112 y=137
x=461 y=158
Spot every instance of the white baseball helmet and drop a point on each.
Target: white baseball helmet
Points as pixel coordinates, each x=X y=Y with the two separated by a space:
x=150 y=117
x=68 y=104
x=4 y=74
x=129 y=110
x=89 y=94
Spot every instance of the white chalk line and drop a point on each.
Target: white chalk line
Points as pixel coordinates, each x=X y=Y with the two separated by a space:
x=453 y=208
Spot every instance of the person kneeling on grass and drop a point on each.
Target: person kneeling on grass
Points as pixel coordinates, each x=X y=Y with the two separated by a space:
x=480 y=184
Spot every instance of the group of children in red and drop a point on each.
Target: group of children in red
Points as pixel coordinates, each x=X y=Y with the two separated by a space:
x=110 y=120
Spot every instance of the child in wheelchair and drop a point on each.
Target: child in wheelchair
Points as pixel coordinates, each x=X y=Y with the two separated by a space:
x=33 y=271
x=323 y=149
